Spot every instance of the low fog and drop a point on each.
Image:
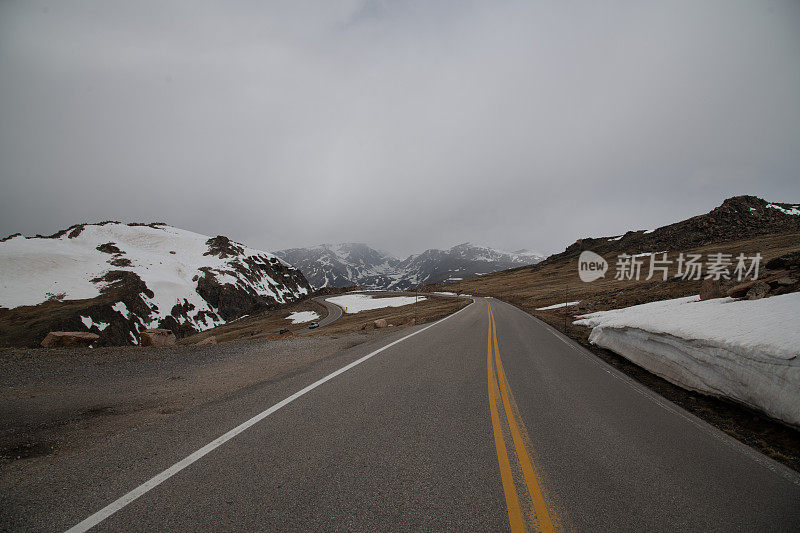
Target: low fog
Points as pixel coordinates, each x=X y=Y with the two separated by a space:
x=405 y=125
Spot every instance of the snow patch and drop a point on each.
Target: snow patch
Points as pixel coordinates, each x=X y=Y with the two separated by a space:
x=122 y=309
x=556 y=306
x=301 y=317
x=88 y=322
x=794 y=210
x=355 y=303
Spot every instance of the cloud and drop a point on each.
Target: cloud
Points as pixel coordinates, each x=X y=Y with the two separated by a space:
x=403 y=124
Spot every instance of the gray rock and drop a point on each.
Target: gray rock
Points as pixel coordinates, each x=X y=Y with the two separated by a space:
x=758 y=290
x=157 y=337
x=69 y=339
x=711 y=288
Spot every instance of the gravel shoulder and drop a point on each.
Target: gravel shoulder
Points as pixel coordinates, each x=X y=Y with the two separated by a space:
x=60 y=400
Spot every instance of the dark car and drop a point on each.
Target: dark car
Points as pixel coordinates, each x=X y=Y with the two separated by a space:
x=313 y=325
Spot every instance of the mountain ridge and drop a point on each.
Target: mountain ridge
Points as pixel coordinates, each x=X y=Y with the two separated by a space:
x=346 y=264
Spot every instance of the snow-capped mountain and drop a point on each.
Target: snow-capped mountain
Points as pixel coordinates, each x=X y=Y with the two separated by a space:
x=460 y=262
x=117 y=279
x=343 y=265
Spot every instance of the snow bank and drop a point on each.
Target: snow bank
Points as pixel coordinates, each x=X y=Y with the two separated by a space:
x=744 y=350
x=355 y=303
x=556 y=306
x=301 y=317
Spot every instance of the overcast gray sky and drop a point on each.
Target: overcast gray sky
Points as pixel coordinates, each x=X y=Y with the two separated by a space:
x=406 y=125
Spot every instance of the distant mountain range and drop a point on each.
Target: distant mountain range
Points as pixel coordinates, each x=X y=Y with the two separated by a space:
x=342 y=265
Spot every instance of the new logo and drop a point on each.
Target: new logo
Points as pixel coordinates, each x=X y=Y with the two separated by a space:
x=591 y=266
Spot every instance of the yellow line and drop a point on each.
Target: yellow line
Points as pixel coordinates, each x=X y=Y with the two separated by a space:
x=512 y=501
x=534 y=490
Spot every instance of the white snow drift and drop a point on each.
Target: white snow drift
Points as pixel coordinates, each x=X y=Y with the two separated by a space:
x=301 y=317
x=748 y=351
x=557 y=306
x=355 y=303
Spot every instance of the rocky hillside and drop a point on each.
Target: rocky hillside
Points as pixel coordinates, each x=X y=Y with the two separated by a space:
x=341 y=265
x=739 y=217
x=117 y=279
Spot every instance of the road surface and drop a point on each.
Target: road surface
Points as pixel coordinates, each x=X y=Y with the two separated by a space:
x=334 y=311
x=488 y=420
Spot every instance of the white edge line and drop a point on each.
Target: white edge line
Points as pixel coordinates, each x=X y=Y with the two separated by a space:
x=156 y=480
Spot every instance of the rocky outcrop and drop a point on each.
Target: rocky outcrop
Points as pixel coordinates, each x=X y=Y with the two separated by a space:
x=739 y=217
x=69 y=339
x=157 y=337
x=740 y=290
x=757 y=291
x=711 y=288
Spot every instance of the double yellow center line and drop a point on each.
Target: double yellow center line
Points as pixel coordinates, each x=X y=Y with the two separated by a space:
x=516 y=429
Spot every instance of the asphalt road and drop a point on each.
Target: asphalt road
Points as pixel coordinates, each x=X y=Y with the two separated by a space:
x=459 y=427
x=334 y=311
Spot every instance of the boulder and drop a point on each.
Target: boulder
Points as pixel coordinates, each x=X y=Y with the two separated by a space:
x=380 y=323
x=758 y=290
x=711 y=288
x=786 y=280
x=212 y=340
x=157 y=337
x=740 y=291
x=69 y=339
x=409 y=321
x=790 y=260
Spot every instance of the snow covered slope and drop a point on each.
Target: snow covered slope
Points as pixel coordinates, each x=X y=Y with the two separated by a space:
x=139 y=276
x=745 y=350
